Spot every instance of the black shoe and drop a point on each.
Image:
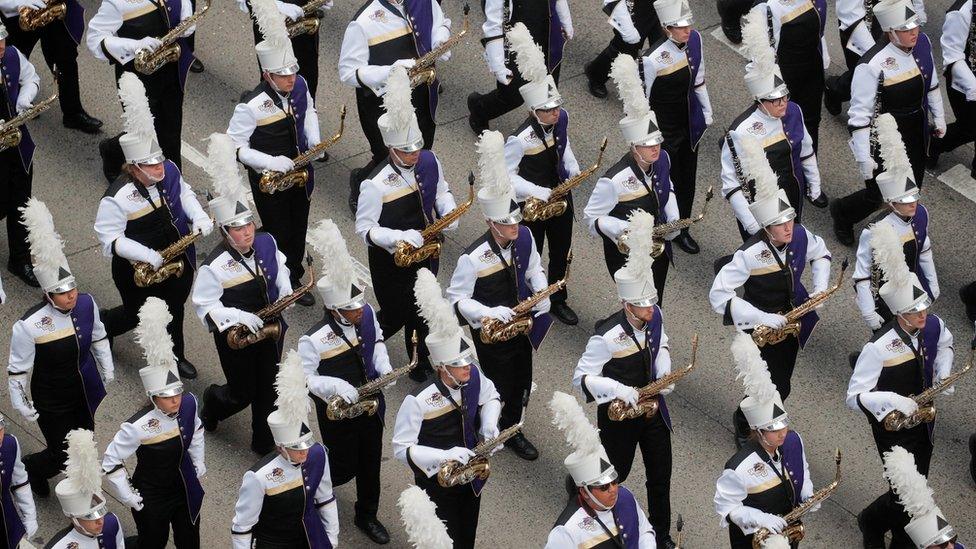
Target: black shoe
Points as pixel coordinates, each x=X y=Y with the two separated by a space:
x=476 y=123
x=307 y=299
x=852 y=359
x=39 y=486
x=196 y=66
x=420 y=373
x=522 y=447
x=564 y=313
x=597 y=89
x=740 y=429
x=209 y=422
x=355 y=178
x=972 y=456
x=324 y=158
x=132 y=542
x=935 y=150
x=843 y=232
x=733 y=32
x=831 y=102
x=262 y=450
x=186 y=368
x=666 y=542
x=968 y=296
x=373 y=529
x=687 y=243
x=25 y=272
x=82 y=121
x=821 y=201
x=869 y=540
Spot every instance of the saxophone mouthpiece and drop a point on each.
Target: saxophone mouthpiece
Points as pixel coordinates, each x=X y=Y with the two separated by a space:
x=308 y=259
x=471 y=179
x=679 y=525
x=466 y=9
x=709 y=193
x=837 y=456
x=603 y=146
x=843 y=266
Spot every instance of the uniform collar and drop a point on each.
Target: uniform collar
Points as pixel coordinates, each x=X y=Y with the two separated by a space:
x=765 y=117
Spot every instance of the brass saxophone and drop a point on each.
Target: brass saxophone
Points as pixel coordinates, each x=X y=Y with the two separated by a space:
x=239 y=336
x=32 y=19
x=148 y=62
x=647 y=403
x=145 y=275
x=272 y=182
x=336 y=408
x=423 y=71
x=496 y=331
x=452 y=473
x=664 y=229
x=308 y=23
x=897 y=421
x=406 y=254
x=794 y=528
x=537 y=210
x=764 y=335
x=10 y=133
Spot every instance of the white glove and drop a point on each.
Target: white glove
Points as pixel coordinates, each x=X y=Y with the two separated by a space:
x=627 y=394
x=28 y=411
x=873 y=320
x=568 y=32
x=489 y=432
x=148 y=43
x=31 y=527
x=773 y=523
x=18 y=397
x=445 y=57
x=281 y=163
x=667 y=390
x=631 y=36
x=153 y=258
x=459 y=454
x=203 y=226
x=33 y=4
x=866 y=168
x=540 y=192
x=250 y=321
x=772 y=320
x=108 y=377
x=291 y=11
x=543 y=306
x=405 y=63
x=503 y=75
x=903 y=404
x=412 y=237
x=939 y=127
x=135 y=501
x=949 y=391
x=325 y=7
x=500 y=313
x=346 y=391
x=23 y=103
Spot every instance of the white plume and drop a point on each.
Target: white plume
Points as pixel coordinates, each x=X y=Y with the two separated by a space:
x=424 y=529
x=151 y=334
x=568 y=417
x=776 y=541
x=751 y=368
x=46 y=245
x=889 y=255
x=137 y=119
x=757 y=168
x=528 y=55
x=271 y=22
x=755 y=41
x=337 y=264
x=396 y=99
x=625 y=75
x=894 y=159
x=434 y=308
x=225 y=176
x=908 y=484
x=83 y=468
x=292 y=401
x=491 y=164
x=640 y=241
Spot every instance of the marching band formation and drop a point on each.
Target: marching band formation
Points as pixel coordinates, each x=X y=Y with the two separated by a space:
x=471 y=337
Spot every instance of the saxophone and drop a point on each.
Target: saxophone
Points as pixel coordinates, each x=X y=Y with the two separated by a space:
x=664 y=229
x=794 y=528
x=308 y=23
x=647 y=402
x=144 y=275
x=873 y=129
x=336 y=408
x=971 y=40
x=897 y=421
x=452 y=473
x=764 y=335
x=740 y=174
x=496 y=331
x=423 y=71
x=32 y=19
x=406 y=254
x=537 y=210
x=148 y=62
x=272 y=182
x=239 y=336
x=10 y=133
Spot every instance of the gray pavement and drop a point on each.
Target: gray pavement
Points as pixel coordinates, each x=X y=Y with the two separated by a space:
x=523 y=499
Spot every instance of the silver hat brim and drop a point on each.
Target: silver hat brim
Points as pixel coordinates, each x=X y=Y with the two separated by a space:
x=680 y=22
x=642 y=302
x=780 y=91
x=607 y=477
x=169 y=391
x=410 y=147
x=63 y=286
x=285 y=71
x=909 y=198
x=94 y=513
x=354 y=305
x=549 y=105
x=907 y=25
x=918 y=306
x=150 y=160
x=789 y=215
x=513 y=218
x=301 y=444
x=241 y=221
x=655 y=138
x=781 y=422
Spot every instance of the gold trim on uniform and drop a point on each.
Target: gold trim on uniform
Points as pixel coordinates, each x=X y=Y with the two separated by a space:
x=397 y=194
x=551 y=142
x=600 y=538
x=899 y=78
x=387 y=36
x=336 y=351
x=677 y=66
x=773 y=139
x=146 y=210
x=769 y=484
x=908 y=236
x=138 y=12
x=433 y=414
x=632 y=196
x=626 y=351
x=172 y=433
x=899 y=360
x=290 y=485
x=807 y=6
x=237 y=280
x=488 y=271
x=280 y=115
x=765 y=270
x=56 y=335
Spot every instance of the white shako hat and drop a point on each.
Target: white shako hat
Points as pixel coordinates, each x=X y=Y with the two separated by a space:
x=763 y=406
x=47 y=248
x=289 y=423
x=539 y=91
x=589 y=464
x=896 y=15
x=639 y=125
x=418 y=514
x=927 y=524
x=763 y=78
x=80 y=493
x=399 y=124
x=139 y=143
x=902 y=292
x=770 y=205
x=159 y=377
x=275 y=54
x=635 y=281
x=897 y=181
x=344 y=280
x=496 y=195
x=445 y=340
x=230 y=208
x=673 y=13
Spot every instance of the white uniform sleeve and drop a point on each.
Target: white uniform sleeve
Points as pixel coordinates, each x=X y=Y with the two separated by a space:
x=460 y=290
x=381 y=358
x=671 y=210
x=663 y=362
x=19 y=365
x=319 y=385
x=101 y=33
x=354 y=67
x=123 y=446
x=927 y=264
x=250 y=500
x=197 y=448
x=406 y=431
x=732 y=188
x=562 y=10
x=191 y=205
x=620 y=18
x=955 y=35
x=22 y=495
x=283 y=282
x=807 y=489
x=701 y=90
x=101 y=349
x=819 y=258
x=240 y=128
x=534 y=274
x=570 y=162
x=862 y=273
x=943 y=361
x=368 y=218
x=864 y=88
x=560 y=538
x=311 y=127
x=588 y=378
x=647 y=539
x=440 y=25
x=861 y=39
x=325 y=503
x=808 y=160
x=30 y=82
x=444 y=202
x=935 y=96
x=514 y=151
x=722 y=294
x=493 y=35
x=206 y=295
x=860 y=390
x=730 y=492
x=597 y=210
x=110 y=224
x=849 y=12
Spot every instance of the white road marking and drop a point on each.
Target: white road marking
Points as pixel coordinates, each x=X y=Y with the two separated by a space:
x=720 y=36
x=957 y=177
x=192 y=155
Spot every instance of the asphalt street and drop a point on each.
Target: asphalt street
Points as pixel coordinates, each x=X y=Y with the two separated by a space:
x=523 y=499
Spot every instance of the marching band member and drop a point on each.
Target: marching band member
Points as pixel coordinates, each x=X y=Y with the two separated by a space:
x=404 y=194
x=957 y=59
x=674 y=82
x=496 y=272
x=630 y=350
x=286 y=499
x=82 y=501
x=896 y=76
x=641 y=179
x=272 y=124
x=244 y=273
x=419 y=516
x=631 y=23
x=147 y=209
x=16 y=500
x=166 y=437
x=441 y=422
x=539 y=157
x=63 y=341
x=341 y=352
x=597 y=493
x=769 y=475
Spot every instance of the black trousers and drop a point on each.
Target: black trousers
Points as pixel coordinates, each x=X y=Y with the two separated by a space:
x=284 y=215
x=60 y=53
x=505 y=97
x=250 y=374
x=15 y=189
x=166 y=104
x=355 y=450
x=393 y=287
x=158 y=515
x=598 y=70
x=963 y=130
x=509 y=366
x=615 y=260
x=806 y=84
x=370 y=108
x=458 y=507
x=684 y=173
x=55 y=425
x=780 y=359
x=559 y=231
x=621 y=439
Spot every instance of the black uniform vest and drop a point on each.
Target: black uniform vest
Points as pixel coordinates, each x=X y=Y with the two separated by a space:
x=777 y=500
x=799 y=41
x=498 y=288
x=669 y=100
x=280 y=521
x=249 y=296
x=769 y=292
x=905 y=378
x=648 y=202
x=158 y=468
x=279 y=138
x=539 y=168
x=403 y=213
x=56 y=383
x=347 y=366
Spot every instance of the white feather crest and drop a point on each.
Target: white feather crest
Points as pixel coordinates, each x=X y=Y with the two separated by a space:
x=151 y=334
x=424 y=529
x=755 y=40
x=491 y=164
x=137 y=119
x=776 y=541
x=889 y=255
x=225 y=175
x=396 y=99
x=434 y=308
x=639 y=239
x=751 y=368
x=908 y=484
x=625 y=75
x=894 y=159
x=757 y=168
x=337 y=264
x=292 y=401
x=46 y=245
x=528 y=55
x=83 y=467
x=568 y=416
x=271 y=22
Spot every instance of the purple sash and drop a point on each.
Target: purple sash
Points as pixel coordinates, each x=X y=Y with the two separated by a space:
x=798 y=261
x=930 y=350
x=562 y=139
x=265 y=252
x=652 y=333
x=174 y=8
x=794 y=130
x=11 y=520
x=74 y=20
x=792 y=450
x=821 y=7
x=170 y=191
x=556 y=39
x=470 y=394
x=421 y=24
x=520 y=253
x=427 y=178
x=662 y=188
x=187 y=421
x=312 y=471
x=922 y=52
x=83 y=317
x=110 y=530
x=920 y=226
x=696 y=116
x=299 y=99
x=625 y=514
x=10 y=71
